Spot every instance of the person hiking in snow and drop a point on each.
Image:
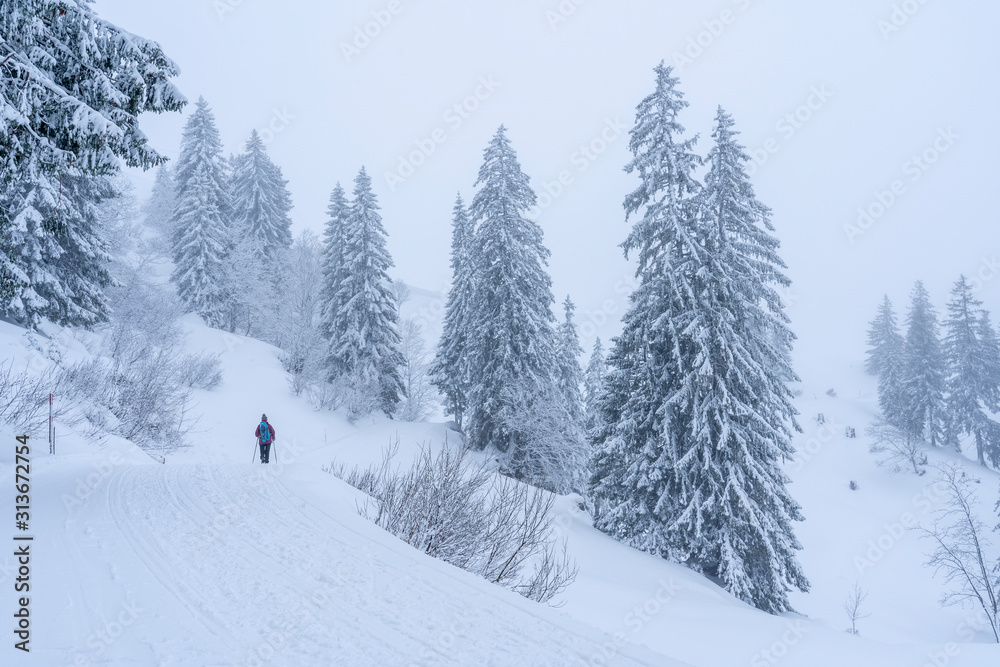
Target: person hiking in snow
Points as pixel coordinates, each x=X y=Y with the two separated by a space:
x=265 y=436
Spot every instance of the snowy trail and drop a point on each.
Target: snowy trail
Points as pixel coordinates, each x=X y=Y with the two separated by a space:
x=230 y=565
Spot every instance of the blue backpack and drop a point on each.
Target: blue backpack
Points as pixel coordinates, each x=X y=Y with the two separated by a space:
x=265 y=433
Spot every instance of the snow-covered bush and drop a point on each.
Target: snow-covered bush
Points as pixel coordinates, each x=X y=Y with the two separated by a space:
x=467 y=515
x=420 y=399
x=550 y=450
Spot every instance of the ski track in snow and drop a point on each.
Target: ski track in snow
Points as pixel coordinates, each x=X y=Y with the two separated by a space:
x=264 y=578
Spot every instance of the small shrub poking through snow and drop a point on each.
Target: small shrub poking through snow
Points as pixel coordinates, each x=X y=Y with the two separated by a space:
x=467 y=515
x=24 y=398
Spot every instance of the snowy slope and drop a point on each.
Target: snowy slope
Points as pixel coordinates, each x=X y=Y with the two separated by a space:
x=209 y=559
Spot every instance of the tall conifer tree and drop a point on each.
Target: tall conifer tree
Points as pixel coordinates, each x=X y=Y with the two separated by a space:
x=450 y=371
x=923 y=381
x=366 y=346
x=201 y=221
x=513 y=342
x=697 y=414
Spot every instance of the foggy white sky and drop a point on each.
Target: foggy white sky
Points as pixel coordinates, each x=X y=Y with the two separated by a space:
x=878 y=98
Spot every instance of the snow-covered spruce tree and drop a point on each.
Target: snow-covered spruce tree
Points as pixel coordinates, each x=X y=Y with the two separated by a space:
x=635 y=489
x=201 y=220
x=260 y=200
x=59 y=247
x=973 y=381
x=334 y=272
x=711 y=363
x=450 y=370
x=367 y=345
x=885 y=359
x=158 y=210
x=593 y=387
x=569 y=374
x=260 y=231
x=512 y=345
x=923 y=379
x=736 y=515
x=71 y=89
x=990 y=346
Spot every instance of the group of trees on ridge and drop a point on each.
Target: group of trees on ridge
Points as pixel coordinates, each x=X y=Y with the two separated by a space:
x=676 y=440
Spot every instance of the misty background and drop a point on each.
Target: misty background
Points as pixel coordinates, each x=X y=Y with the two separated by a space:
x=838 y=97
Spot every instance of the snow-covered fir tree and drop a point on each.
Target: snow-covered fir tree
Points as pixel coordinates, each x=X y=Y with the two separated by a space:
x=973 y=361
x=512 y=345
x=885 y=360
x=334 y=273
x=158 y=211
x=736 y=517
x=450 y=371
x=260 y=200
x=989 y=343
x=260 y=234
x=72 y=87
x=634 y=486
x=569 y=374
x=367 y=346
x=59 y=247
x=923 y=380
x=593 y=387
x=201 y=221
x=698 y=412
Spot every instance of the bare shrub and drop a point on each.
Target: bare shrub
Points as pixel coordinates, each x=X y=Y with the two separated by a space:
x=550 y=449
x=467 y=515
x=961 y=550
x=853 y=607
x=139 y=384
x=898 y=450
x=24 y=398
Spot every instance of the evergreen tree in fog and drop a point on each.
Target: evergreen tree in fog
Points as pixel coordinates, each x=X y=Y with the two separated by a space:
x=569 y=374
x=973 y=360
x=72 y=87
x=634 y=486
x=261 y=201
x=334 y=273
x=512 y=345
x=450 y=371
x=59 y=246
x=593 y=387
x=885 y=359
x=736 y=517
x=158 y=210
x=367 y=342
x=923 y=381
x=201 y=221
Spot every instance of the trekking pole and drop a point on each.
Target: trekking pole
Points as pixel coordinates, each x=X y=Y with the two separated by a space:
x=254 y=452
x=274 y=446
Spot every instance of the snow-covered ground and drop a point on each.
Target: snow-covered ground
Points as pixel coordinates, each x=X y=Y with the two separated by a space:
x=210 y=559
